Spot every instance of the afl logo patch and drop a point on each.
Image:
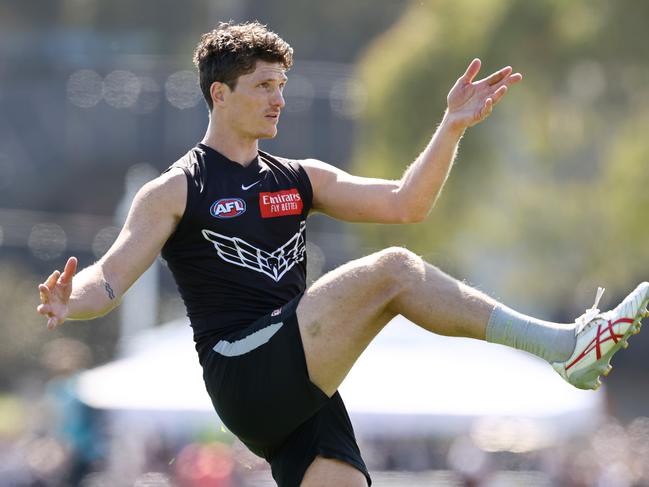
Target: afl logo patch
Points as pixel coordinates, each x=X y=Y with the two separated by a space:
x=228 y=208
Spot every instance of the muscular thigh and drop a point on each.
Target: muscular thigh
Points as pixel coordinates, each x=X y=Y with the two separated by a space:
x=325 y=472
x=341 y=313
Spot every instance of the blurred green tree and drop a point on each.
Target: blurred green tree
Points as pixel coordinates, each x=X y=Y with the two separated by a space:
x=546 y=196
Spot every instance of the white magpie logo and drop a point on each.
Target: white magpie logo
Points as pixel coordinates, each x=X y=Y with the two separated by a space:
x=273 y=264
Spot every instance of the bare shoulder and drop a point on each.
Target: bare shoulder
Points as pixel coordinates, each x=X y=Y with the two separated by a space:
x=319 y=171
x=166 y=193
x=314 y=165
x=172 y=180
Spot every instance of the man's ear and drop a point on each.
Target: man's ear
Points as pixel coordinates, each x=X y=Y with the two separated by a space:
x=218 y=91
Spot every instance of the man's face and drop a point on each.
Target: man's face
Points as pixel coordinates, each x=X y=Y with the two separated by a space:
x=252 y=109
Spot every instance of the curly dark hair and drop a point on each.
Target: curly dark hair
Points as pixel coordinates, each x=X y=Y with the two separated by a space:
x=232 y=49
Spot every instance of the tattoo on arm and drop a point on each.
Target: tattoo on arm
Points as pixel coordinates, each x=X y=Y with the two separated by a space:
x=109 y=290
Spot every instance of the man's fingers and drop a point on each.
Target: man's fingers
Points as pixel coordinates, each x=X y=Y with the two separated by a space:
x=44 y=293
x=509 y=80
x=503 y=86
x=51 y=281
x=52 y=322
x=486 y=108
x=69 y=271
x=499 y=93
x=514 y=78
x=471 y=70
x=497 y=77
x=44 y=309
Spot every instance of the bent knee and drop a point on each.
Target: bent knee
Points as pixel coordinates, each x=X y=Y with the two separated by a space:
x=398 y=263
x=396 y=255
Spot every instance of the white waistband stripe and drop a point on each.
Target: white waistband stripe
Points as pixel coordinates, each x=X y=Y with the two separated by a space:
x=247 y=344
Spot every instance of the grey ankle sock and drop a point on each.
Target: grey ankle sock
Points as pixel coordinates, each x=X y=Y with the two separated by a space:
x=553 y=342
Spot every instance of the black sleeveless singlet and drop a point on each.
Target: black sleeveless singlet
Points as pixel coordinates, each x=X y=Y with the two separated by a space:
x=239 y=250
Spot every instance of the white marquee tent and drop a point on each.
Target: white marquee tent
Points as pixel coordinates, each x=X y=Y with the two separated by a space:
x=408 y=382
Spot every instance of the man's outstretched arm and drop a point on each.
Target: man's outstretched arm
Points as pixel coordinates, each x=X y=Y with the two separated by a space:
x=410 y=199
x=97 y=289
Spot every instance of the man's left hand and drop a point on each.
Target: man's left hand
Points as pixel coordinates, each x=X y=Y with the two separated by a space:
x=471 y=102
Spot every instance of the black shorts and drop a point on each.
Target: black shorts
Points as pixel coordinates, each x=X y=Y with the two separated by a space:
x=260 y=387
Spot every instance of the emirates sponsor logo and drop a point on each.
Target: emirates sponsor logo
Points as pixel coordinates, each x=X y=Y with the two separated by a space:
x=280 y=203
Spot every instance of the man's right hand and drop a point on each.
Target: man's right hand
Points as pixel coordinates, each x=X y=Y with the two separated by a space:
x=55 y=294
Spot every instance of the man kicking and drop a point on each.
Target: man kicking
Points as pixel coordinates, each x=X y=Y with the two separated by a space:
x=230 y=220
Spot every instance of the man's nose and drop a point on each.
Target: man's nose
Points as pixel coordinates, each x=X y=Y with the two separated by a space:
x=278 y=99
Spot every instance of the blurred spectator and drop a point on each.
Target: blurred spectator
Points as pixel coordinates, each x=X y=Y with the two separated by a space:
x=208 y=465
x=70 y=422
x=470 y=462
